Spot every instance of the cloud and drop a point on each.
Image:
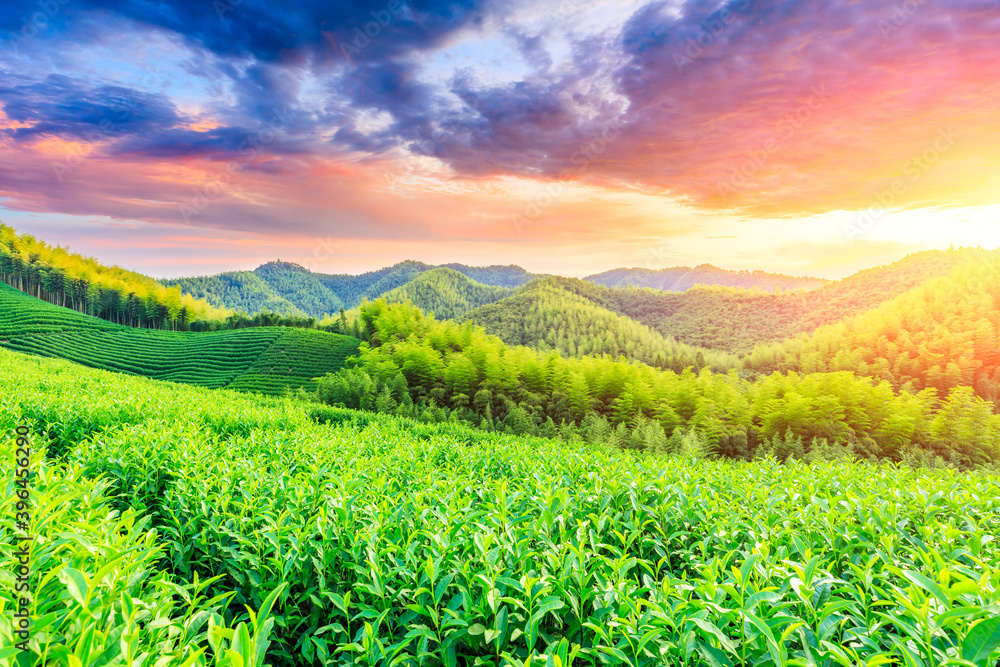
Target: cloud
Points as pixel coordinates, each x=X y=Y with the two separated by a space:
x=62 y=106
x=769 y=108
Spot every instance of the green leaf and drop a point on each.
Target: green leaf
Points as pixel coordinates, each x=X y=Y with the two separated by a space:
x=76 y=583
x=713 y=656
x=982 y=640
x=713 y=630
x=928 y=585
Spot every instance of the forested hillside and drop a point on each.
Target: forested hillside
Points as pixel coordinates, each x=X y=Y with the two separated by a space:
x=446 y=293
x=290 y=289
x=735 y=320
x=69 y=279
x=500 y=276
x=243 y=291
x=941 y=335
x=418 y=366
x=370 y=285
x=681 y=278
x=280 y=287
x=549 y=315
x=301 y=287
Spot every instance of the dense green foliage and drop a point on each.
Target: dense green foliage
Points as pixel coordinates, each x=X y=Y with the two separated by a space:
x=941 y=335
x=82 y=284
x=550 y=315
x=500 y=276
x=290 y=289
x=266 y=359
x=417 y=366
x=682 y=278
x=100 y=593
x=446 y=293
x=301 y=287
x=243 y=291
x=736 y=320
x=385 y=541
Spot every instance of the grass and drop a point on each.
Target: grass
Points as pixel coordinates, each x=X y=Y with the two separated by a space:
x=267 y=360
x=385 y=541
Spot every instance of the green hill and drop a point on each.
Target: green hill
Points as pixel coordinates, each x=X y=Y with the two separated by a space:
x=243 y=291
x=736 y=320
x=500 y=276
x=940 y=335
x=301 y=287
x=83 y=284
x=370 y=285
x=290 y=289
x=446 y=293
x=266 y=359
x=553 y=314
x=681 y=278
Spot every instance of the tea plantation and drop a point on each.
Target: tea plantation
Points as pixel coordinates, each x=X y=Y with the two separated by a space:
x=166 y=516
x=266 y=360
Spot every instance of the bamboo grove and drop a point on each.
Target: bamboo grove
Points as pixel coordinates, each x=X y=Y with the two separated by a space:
x=69 y=279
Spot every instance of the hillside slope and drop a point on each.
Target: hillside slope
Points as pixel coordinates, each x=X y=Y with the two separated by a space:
x=446 y=293
x=550 y=315
x=681 y=278
x=736 y=320
x=499 y=276
x=83 y=284
x=265 y=359
x=243 y=291
x=940 y=335
x=353 y=289
x=301 y=287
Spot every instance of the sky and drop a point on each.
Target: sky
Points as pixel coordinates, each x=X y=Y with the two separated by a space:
x=566 y=136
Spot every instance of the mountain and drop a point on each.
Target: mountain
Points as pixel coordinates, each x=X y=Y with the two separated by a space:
x=737 y=320
x=290 y=289
x=940 y=335
x=446 y=293
x=266 y=360
x=370 y=285
x=301 y=287
x=501 y=276
x=681 y=278
x=552 y=314
x=244 y=291
x=279 y=287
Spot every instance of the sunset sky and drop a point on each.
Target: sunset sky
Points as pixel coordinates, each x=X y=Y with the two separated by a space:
x=566 y=136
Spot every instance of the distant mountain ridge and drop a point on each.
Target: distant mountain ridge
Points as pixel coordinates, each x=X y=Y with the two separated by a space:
x=447 y=293
x=720 y=319
x=683 y=278
x=290 y=289
x=558 y=314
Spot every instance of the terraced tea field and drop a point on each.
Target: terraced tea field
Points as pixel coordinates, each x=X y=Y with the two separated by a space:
x=388 y=542
x=266 y=360
x=294 y=359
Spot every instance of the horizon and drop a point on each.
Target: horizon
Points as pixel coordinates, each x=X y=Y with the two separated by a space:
x=570 y=139
x=315 y=268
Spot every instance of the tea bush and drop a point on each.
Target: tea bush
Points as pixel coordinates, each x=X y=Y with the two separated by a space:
x=383 y=541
